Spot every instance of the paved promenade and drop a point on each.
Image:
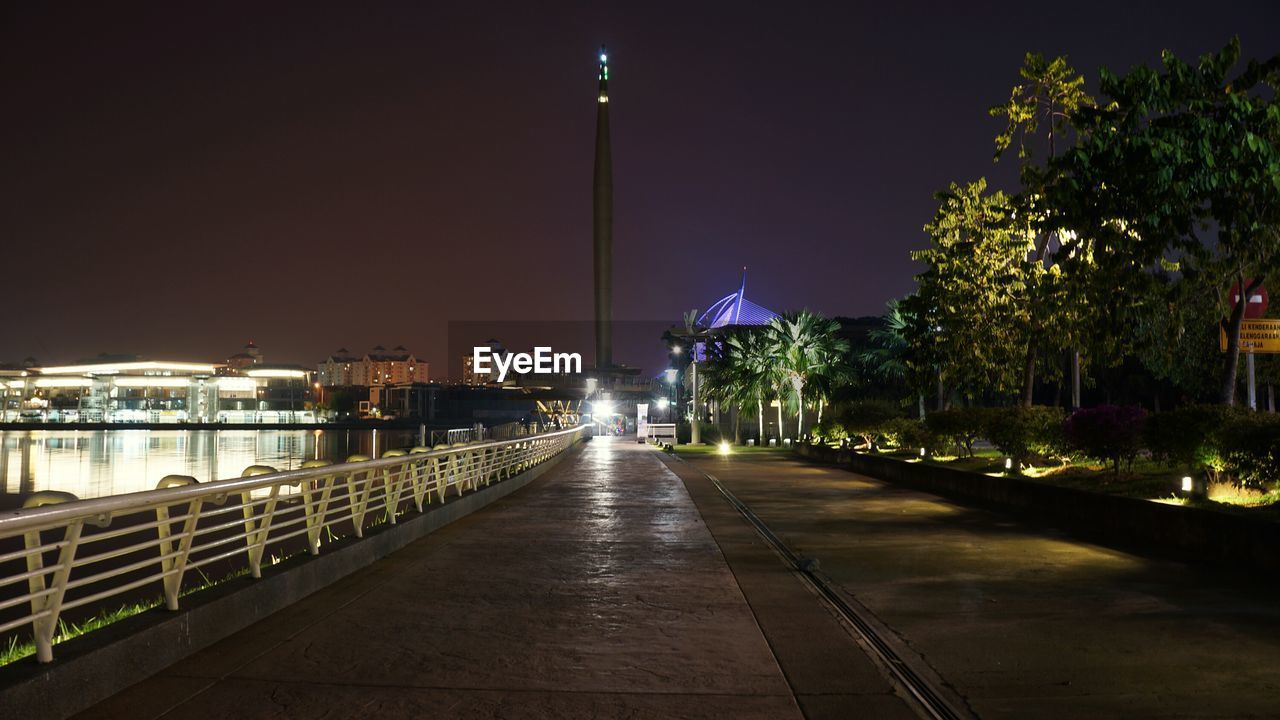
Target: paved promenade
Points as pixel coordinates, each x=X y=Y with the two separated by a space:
x=598 y=591
x=1024 y=621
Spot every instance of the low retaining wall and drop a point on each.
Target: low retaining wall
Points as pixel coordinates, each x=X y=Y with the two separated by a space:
x=95 y=666
x=1186 y=533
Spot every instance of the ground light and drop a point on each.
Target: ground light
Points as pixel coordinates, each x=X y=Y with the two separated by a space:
x=724 y=448
x=1008 y=463
x=1186 y=483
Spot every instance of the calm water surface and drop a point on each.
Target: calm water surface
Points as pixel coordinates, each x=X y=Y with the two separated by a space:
x=95 y=463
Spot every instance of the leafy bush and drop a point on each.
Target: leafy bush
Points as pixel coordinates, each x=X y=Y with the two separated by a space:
x=1026 y=433
x=1251 y=449
x=1107 y=432
x=831 y=429
x=906 y=433
x=958 y=427
x=1191 y=436
x=867 y=420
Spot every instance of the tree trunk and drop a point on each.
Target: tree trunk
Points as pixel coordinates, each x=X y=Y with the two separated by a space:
x=1029 y=376
x=920 y=404
x=800 y=412
x=1075 y=379
x=1271 y=398
x=819 y=411
x=779 y=418
x=1228 y=396
x=942 y=393
x=760 y=417
x=737 y=425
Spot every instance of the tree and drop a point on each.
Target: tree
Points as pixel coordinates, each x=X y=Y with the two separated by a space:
x=1050 y=99
x=890 y=357
x=1174 y=153
x=805 y=346
x=970 y=315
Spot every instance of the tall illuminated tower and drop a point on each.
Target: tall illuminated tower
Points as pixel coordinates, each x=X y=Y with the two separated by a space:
x=602 y=226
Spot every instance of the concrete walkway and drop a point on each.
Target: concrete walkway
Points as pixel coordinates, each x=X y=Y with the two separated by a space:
x=1024 y=621
x=598 y=591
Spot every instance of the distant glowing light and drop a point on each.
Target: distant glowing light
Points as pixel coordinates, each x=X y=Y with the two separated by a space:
x=1008 y=463
x=1186 y=484
x=236 y=384
x=276 y=373
x=604 y=58
x=604 y=98
x=115 y=368
x=63 y=382
x=603 y=409
x=663 y=403
x=160 y=381
x=724 y=448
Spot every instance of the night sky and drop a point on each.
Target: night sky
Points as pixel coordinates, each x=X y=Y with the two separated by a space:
x=179 y=178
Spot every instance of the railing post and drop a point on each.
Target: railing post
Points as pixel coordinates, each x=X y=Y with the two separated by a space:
x=176 y=566
x=255 y=524
x=314 y=508
x=358 y=497
x=420 y=470
x=45 y=606
x=394 y=482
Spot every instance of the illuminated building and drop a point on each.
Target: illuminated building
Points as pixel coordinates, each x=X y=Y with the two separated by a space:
x=159 y=392
x=735 y=309
x=249 y=357
x=469 y=375
x=375 y=368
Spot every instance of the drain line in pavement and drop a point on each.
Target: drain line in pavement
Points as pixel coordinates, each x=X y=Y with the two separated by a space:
x=928 y=698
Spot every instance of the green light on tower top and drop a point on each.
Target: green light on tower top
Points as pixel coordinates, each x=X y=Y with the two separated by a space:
x=604 y=75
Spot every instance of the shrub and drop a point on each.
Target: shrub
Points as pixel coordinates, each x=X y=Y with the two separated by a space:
x=1026 y=433
x=1108 y=432
x=959 y=427
x=1191 y=436
x=1250 y=446
x=907 y=433
x=867 y=420
x=831 y=429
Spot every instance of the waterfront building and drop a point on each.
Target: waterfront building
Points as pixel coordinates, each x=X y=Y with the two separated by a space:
x=158 y=392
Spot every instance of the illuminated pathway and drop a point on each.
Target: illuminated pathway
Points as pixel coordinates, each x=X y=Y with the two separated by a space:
x=598 y=591
x=1022 y=621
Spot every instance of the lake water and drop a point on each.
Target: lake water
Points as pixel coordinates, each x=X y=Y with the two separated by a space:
x=96 y=463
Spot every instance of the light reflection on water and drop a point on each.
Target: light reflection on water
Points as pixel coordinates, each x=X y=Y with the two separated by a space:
x=95 y=463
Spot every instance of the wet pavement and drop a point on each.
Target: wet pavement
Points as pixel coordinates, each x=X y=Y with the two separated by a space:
x=597 y=591
x=1024 y=621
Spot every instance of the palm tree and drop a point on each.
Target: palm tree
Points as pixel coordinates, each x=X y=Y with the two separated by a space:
x=888 y=358
x=804 y=346
x=753 y=370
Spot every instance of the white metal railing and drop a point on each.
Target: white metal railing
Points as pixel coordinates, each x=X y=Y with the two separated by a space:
x=69 y=554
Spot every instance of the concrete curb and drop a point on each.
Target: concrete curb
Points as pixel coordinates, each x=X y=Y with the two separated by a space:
x=92 y=667
x=1182 y=533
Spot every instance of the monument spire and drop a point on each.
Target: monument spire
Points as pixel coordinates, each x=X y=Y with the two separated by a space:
x=602 y=226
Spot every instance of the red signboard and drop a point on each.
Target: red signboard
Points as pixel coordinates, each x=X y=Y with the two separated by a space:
x=1257 y=305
